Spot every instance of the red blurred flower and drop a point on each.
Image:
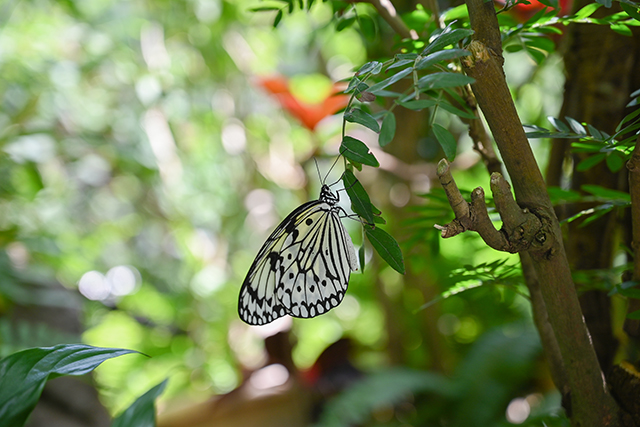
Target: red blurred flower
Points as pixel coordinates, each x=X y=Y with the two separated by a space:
x=309 y=115
x=522 y=12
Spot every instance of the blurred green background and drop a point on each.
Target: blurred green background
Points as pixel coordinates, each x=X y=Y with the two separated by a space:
x=143 y=163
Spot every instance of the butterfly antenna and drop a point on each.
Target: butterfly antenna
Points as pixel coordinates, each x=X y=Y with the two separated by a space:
x=339 y=179
x=331 y=168
x=318 y=169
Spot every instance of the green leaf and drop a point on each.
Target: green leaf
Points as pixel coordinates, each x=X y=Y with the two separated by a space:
x=353 y=83
x=446 y=38
x=360 y=201
x=142 y=413
x=264 y=8
x=606 y=193
x=387 y=130
x=586 y=146
x=419 y=104
x=446 y=140
x=558 y=124
x=624 y=288
x=511 y=48
x=576 y=126
x=456 y=13
x=621 y=29
x=361 y=257
x=536 y=54
x=615 y=161
x=442 y=55
x=367 y=27
x=373 y=67
x=550 y=3
x=356 y=115
x=379 y=220
x=590 y=162
x=595 y=132
x=541 y=43
x=630 y=293
x=632 y=11
x=345 y=23
x=24 y=374
x=453 y=110
x=400 y=64
x=356 y=150
x=588 y=10
x=387 y=248
x=403 y=56
x=278 y=18
x=632 y=115
x=444 y=79
x=389 y=81
x=635 y=315
x=558 y=195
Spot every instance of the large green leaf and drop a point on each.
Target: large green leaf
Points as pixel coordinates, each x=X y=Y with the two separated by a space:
x=444 y=79
x=142 y=413
x=360 y=201
x=387 y=130
x=356 y=150
x=419 y=104
x=447 y=141
x=442 y=55
x=447 y=37
x=387 y=248
x=375 y=89
x=356 y=115
x=24 y=374
x=373 y=67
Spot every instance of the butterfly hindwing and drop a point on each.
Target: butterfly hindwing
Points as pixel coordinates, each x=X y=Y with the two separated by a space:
x=257 y=304
x=303 y=268
x=314 y=280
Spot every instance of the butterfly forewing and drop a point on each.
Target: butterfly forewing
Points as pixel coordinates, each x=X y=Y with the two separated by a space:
x=303 y=268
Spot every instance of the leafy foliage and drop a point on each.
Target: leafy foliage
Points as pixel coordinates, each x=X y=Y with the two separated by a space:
x=24 y=374
x=425 y=92
x=475 y=395
x=484 y=274
x=135 y=137
x=142 y=413
x=531 y=35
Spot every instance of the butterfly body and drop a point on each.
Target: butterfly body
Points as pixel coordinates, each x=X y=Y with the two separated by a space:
x=304 y=266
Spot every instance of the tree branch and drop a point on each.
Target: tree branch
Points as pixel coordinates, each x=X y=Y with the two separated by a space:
x=591 y=403
x=520 y=228
x=547 y=336
x=388 y=13
x=632 y=327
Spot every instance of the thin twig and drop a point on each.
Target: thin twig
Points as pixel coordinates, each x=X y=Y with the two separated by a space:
x=388 y=12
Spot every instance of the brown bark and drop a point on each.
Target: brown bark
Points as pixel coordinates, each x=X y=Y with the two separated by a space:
x=632 y=327
x=599 y=65
x=591 y=404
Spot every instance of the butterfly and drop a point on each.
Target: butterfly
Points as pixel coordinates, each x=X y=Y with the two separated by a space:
x=304 y=266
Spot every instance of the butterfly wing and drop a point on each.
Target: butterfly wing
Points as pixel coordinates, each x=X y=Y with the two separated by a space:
x=302 y=269
x=258 y=304
x=316 y=264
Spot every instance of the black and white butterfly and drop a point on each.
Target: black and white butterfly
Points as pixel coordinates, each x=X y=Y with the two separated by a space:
x=304 y=266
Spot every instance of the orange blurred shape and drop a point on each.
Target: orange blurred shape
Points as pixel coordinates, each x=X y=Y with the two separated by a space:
x=523 y=12
x=309 y=115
